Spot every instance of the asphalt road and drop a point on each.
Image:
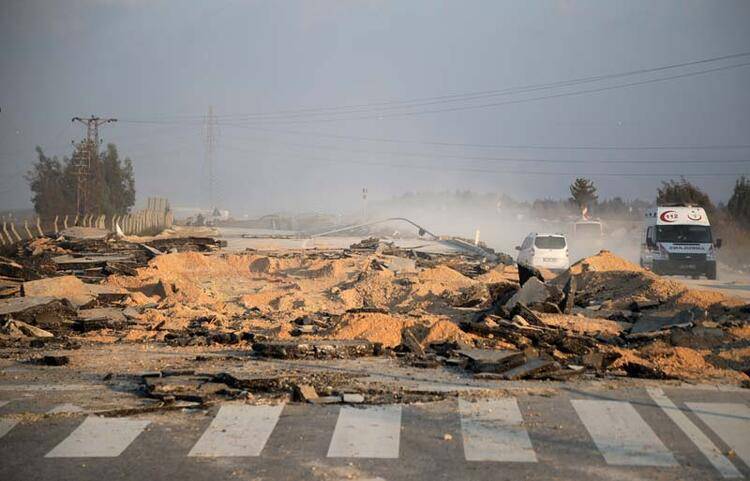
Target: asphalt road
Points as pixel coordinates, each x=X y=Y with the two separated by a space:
x=728 y=282
x=633 y=433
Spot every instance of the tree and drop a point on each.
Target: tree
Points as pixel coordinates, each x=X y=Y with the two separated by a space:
x=53 y=183
x=739 y=204
x=583 y=193
x=683 y=192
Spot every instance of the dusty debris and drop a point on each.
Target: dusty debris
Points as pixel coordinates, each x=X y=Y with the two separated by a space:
x=16 y=329
x=317 y=349
x=73 y=290
x=526 y=272
x=55 y=360
x=603 y=317
x=488 y=360
x=305 y=393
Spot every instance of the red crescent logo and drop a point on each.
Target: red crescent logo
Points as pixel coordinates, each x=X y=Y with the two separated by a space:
x=668 y=216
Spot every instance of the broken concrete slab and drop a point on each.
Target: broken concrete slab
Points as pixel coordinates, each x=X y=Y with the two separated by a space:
x=16 y=329
x=54 y=360
x=599 y=360
x=491 y=360
x=72 y=289
x=317 y=349
x=526 y=272
x=569 y=295
x=532 y=292
x=353 y=398
x=196 y=388
x=643 y=304
x=305 y=392
x=16 y=305
x=410 y=342
x=667 y=320
x=527 y=314
x=45 y=312
x=100 y=318
x=531 y=367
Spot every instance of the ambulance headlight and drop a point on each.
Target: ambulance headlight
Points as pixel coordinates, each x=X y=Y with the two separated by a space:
x=711 y=254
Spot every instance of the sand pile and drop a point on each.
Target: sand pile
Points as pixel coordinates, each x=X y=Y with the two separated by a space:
x=374 y=327
x=616 y=283
x=439 y=280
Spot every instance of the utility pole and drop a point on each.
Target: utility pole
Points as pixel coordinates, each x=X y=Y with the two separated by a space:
x=84 y=158
x=364 y=204
x=210 y=142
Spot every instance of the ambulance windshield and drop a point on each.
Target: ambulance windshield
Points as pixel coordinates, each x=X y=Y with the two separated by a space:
x=698 y=234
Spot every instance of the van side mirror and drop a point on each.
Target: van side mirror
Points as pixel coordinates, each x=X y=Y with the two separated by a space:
x=518 y=248
x=718 y=243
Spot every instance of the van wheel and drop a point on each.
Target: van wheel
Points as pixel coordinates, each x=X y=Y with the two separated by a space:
x=711 y=274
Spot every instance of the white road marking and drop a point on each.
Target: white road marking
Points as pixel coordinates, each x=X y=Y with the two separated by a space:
x=621 y=434
x=49 y=387
x=371 y=432
x=6 y=425
x=99 y=438
x=238 y=430
x=3 y=403
x=493 y=431
x=693 y=432
x=66 y=408
x=730 y=421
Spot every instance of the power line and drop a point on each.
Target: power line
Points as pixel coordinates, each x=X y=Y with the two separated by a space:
x=348 y=109
x=508 y=159
x=434 y=168
x=508 y=102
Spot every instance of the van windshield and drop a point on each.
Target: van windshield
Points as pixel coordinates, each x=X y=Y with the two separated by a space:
x=550 y=242
x=699 y=234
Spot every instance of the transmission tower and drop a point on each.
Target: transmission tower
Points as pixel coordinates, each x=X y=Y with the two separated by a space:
x=210 y=141
x=84 y=160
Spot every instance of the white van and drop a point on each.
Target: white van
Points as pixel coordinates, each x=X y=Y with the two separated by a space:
x=544 y=250
x=678 y=240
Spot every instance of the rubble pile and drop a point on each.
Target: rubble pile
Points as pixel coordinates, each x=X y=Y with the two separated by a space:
x=607 y=315
x=472 y=313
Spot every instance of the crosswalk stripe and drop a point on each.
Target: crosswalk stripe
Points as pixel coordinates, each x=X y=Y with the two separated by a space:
x=493 y=431
x=730 y=421
x=6 y=425
x=693 y=432
x=238 y=430
x=621 y=434
x=99 y=438
x=370 y=432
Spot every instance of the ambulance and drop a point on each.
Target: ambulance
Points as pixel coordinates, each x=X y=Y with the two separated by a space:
x=678 y=240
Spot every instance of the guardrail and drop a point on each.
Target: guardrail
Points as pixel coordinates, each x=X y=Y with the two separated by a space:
x=143 y=222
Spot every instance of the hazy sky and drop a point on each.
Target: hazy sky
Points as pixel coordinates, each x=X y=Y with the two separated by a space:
x=157 y=65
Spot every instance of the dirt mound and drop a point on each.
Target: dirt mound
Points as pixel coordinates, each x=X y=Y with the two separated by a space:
x=437 y=280
x=585 y=325
x=686 y=363
x=445 y=330
x=616 y=283
x=501 y=273
x=604 y=261
x=705 y=299
x=374 y=327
